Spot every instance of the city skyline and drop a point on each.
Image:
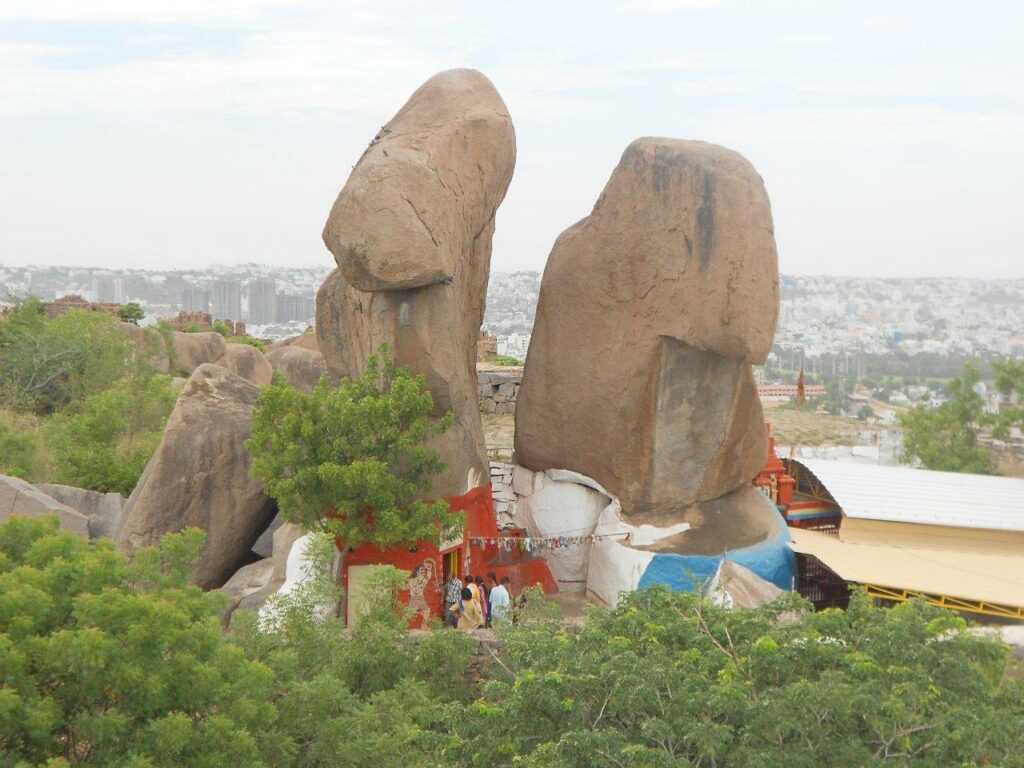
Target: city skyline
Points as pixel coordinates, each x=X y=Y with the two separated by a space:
x=887 y=138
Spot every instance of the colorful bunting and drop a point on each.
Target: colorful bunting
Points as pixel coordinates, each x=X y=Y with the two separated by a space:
x=533 y=544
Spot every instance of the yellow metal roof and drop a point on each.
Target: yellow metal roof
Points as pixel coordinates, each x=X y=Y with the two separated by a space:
x=969 y=574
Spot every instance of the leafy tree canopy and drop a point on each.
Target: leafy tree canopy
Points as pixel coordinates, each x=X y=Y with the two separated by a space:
x=46 y=363
x=1009 y=382
x=104 y=441
x=357 y=451
x=105 y=662
x=668 y=679
x=131 y=313
x=946 y=438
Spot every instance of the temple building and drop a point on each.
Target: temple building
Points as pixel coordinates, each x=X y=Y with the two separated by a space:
x=901 y=532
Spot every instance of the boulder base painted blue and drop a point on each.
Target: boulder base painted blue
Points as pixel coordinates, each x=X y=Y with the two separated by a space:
x=772 y=560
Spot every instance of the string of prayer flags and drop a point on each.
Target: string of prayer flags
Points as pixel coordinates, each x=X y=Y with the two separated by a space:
x=535 y=544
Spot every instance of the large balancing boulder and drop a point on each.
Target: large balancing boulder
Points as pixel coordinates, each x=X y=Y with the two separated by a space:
x=411 y=234
x=651 y=311
x=199 y=477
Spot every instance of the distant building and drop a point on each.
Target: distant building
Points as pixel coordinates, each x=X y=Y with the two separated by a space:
x=195 y=299
x=291 y=308
x=108 y=289
x=227 y=300
x=514 y=345
x=262 y=300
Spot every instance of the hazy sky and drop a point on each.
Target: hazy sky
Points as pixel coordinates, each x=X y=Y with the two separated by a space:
x=177 y=133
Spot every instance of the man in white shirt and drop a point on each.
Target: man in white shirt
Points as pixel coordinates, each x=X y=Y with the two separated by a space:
x=501 y=601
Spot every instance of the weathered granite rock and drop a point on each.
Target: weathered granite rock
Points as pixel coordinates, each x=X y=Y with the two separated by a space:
x=307 y=340
x=302 y=367
x=199 y=476
x=193 y=349
x=253 y=584
x=103 y=509
x=651 y=310
x=18 y=497
x=247 y=362
x=411 y=233
x=150 y=345
x=249 y=580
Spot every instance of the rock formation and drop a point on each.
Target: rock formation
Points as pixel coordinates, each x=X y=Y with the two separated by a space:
x=302 y=367
x=18 y=497
x=411 y=233
x=307 y=340
x=193 y=349
x=190 y=350
x=103 y=509
x=651 y=311
x=199 y=476
x=247 y=362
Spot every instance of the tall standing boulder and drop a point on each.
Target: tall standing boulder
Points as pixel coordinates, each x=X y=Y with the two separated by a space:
x=651 y=311
x=411 y=234
x=199 y=477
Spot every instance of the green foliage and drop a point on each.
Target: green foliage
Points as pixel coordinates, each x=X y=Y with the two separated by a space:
x=219 y=326
x=505 y=360
x=668 y=679
x=106 y=663
x=352 y=459
x=250 y=340
x=104 y=441
x=131 y=313
x=946 y=438
x=865 y=412
x=1009 y=382
x=21 y=453
x=47 y=363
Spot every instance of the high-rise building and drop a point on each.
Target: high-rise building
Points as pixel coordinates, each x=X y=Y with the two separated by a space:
x=291 y=307
x=195 y=299
x=227 y=300
x=262 y=300
x=108 y=288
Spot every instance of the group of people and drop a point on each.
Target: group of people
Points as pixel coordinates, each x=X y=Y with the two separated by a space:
x=474 y=604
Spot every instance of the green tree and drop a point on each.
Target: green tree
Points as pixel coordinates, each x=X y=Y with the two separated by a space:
x=353 y=459
x=109 y=663
x=1009 y=379
x=131 y=313
x=46 y=363
x=104 y=441
x=219 y=326
x=669 y=679
x=20 y=447
x=946 y=437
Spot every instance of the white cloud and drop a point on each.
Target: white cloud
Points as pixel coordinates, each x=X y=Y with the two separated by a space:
x=665 y=6
x=803 y=40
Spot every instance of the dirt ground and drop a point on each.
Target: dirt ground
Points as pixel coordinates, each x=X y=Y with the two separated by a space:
x=808 y=428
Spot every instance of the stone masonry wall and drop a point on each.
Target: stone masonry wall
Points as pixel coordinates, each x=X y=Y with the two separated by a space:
x=497 y=390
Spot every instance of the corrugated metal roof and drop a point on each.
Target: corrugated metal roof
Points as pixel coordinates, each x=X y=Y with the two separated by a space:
x=909 y=495
x=967 y=575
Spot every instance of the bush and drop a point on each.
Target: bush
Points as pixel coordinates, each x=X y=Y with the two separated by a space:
x=251 y=341
x=47 y=363
x=21 y=453
x=104 y=441
x=110 y=663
